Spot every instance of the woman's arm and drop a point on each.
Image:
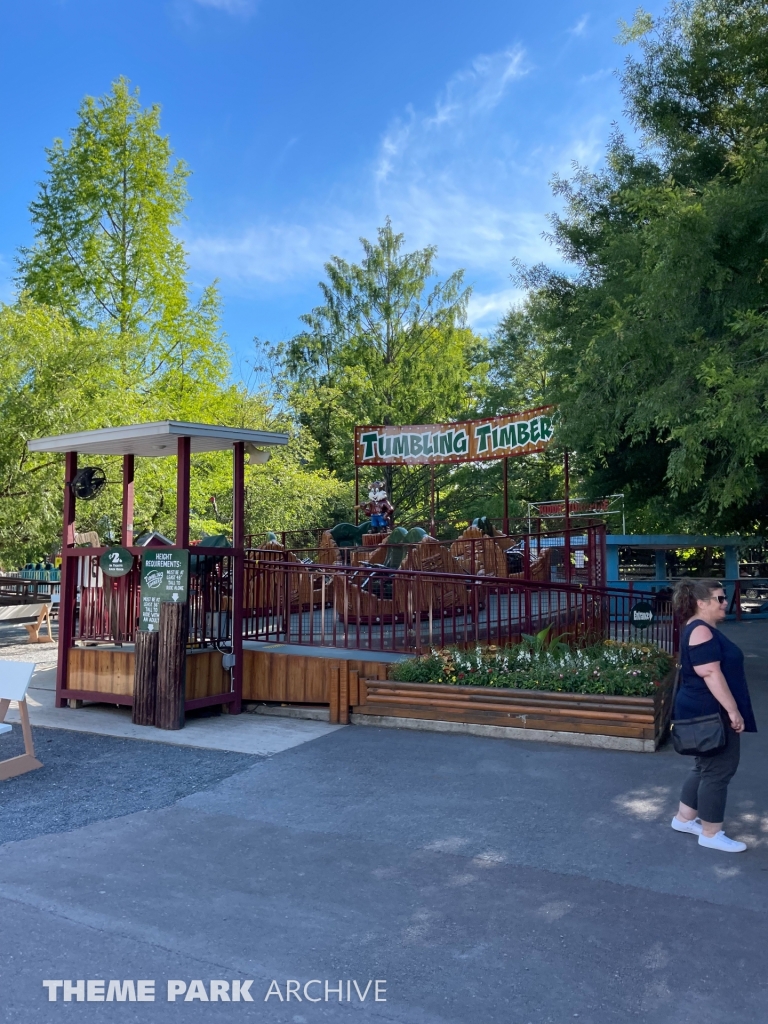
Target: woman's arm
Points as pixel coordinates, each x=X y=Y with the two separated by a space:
x=715 y=681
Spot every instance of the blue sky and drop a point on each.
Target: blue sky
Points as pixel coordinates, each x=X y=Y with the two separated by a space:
x=306 y=123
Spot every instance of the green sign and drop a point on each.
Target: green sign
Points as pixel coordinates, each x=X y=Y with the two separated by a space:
x=116 y=561
x=164 y=577
x=641 y=615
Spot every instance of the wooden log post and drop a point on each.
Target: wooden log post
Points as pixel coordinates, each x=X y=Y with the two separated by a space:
x=171 y=665
x=344 y=693
x=145 y=677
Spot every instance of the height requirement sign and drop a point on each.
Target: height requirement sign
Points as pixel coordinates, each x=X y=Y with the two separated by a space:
x=164 y=577
x=497 y=437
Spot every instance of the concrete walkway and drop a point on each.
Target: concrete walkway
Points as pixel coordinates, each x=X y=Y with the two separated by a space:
x=246 y=733
x=481 y=880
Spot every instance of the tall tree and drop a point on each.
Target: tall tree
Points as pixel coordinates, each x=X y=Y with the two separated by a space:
x=659 y=348
x=105 y=252
x=106 y=333
x=388 y=345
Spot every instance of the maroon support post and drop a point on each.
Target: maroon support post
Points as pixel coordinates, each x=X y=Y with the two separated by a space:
x=567 y=539
x=432 y=500
x=127 y=530
x=238 y=574
x=505 y=479
x=182 y=493
x=68 y=580
x=357 y=495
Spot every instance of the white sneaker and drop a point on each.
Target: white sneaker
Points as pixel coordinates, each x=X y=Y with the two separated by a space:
x=720 y=841
x=694 y=826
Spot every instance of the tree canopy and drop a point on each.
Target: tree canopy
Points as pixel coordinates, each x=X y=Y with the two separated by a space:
x=389 y=344
x=106 y=332
x=654 y=349
x=657 y=348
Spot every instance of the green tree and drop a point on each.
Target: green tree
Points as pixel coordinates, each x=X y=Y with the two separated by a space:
x=658 y=347
x=51 y=381
x=106 y=333
x=105 y=252
x=517 y=377
x=386 y=346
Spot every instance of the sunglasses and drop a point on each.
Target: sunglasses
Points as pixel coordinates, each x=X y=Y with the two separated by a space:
x=721 y=599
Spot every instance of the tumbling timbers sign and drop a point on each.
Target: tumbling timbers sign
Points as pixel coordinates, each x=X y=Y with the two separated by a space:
x=498 y=437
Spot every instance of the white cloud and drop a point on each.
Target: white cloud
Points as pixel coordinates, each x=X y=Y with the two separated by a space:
x=487 y=308
x=580 y=27
x=469 y=175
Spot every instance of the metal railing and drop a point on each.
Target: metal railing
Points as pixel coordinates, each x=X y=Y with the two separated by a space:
x=107 y=609
x=573 y=556
x=368 y=606
x=378 y=609
x=18 y=589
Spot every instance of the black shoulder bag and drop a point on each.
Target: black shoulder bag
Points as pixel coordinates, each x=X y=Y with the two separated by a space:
x=696 y=736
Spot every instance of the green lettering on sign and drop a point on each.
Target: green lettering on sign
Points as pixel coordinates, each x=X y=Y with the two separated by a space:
x=369 y=440
x=481 y=433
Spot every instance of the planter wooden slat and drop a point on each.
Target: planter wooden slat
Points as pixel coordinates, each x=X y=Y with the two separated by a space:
x=495 y=696
x=549 y=695
x=596 y=714
x=516 y=708
x=531 y=723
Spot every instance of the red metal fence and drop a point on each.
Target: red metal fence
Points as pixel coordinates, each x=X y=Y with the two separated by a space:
x=106 y=609
x=365 y=605
x=378 y=609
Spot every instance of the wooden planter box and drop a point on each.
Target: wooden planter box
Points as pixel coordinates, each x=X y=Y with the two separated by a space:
x=624 y=723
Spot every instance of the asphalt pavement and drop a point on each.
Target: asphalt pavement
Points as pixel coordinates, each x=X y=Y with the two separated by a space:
x=476 y=880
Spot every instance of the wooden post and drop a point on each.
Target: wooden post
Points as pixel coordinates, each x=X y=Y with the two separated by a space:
x=68 y=581
x=182 y=493
x=145 y=677
x=357 y=495
x=238 y=573
x=171 y=665
x=127 y=528
x=344 y=693
x=505 y=479
x=332 y=684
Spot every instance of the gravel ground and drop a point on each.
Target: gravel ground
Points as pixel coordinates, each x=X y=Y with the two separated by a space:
x=89 y=778
x=15 y=645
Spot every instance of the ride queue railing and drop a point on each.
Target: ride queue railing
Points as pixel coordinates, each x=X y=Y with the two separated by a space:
x=377 y=609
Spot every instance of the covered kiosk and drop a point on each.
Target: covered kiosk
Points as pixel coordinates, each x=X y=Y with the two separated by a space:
x=99 y=613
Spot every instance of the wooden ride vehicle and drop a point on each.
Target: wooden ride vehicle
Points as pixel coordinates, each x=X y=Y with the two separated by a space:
x=296 y=588
x=377 y=594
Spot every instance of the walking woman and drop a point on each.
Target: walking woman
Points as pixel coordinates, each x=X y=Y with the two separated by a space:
x=712 y=680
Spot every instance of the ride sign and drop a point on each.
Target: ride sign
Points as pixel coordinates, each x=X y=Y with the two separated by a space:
x=497 y=437
x=116 y=561
x=641 y=615
x=164 y=577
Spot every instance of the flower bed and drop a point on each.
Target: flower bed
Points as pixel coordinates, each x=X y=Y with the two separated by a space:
x=611 y=695
x=613 y=669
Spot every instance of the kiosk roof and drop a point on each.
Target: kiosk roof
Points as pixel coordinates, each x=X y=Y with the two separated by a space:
x=154 y=439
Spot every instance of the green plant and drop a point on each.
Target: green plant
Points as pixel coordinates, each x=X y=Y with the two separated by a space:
x=626 y=669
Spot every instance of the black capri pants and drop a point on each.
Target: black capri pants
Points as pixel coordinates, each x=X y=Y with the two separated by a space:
x=706 y=788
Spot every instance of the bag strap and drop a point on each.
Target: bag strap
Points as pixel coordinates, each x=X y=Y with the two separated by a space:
x=675 y=688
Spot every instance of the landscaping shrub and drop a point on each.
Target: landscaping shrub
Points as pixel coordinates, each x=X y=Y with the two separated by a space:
x=618 y=669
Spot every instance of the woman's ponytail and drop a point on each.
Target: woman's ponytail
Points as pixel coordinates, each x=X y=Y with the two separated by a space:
x=688 y=592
